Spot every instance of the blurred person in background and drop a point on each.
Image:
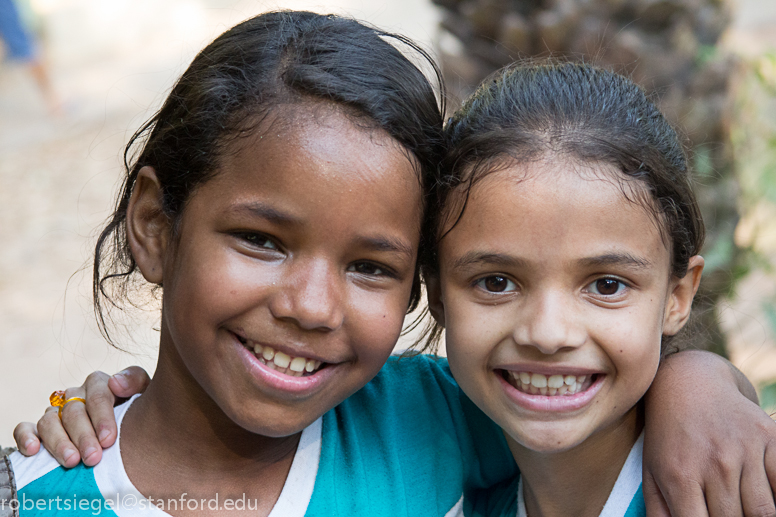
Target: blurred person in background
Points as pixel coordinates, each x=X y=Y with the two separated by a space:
x=20 y=46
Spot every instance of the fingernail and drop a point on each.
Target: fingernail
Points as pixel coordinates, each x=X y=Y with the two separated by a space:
x=121 y=378
x=69 y=453
x=103 y=435
x=89 y=451
x=29 y=443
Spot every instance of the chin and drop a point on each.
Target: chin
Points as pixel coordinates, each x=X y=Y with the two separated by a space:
x=547 y=441
x=270 y=423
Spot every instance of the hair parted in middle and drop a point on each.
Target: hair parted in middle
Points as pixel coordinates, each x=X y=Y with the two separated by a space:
x=527 y=112
x=572 y=111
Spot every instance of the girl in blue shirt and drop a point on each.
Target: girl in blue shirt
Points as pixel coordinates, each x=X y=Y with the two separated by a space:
x=568 y=258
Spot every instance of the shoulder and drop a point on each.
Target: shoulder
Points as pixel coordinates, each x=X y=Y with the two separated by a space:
x=27 y=469
x=409 y=442
x=39 y=485
x=419 y=372
x=408 y=389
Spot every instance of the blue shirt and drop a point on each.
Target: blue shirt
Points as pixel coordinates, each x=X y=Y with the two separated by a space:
x=408 y=443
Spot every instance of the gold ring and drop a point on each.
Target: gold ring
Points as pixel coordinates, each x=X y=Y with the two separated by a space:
x=58 y=400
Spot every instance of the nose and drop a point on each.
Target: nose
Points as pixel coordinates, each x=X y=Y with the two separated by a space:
x=311 y=296
x=549 y=322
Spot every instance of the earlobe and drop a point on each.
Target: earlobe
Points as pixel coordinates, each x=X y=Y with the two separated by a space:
x=680 y=301
x=434 y=295
x=148 y=228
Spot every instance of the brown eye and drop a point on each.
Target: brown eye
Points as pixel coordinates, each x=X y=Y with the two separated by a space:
x=496 y=284
x=607 y=286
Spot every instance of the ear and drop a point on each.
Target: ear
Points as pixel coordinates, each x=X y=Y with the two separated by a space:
x=680 y=301
x=148 y=228
x=434 y=295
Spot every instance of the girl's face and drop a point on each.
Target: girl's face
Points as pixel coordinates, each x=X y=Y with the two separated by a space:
x=555 y=292
x=286 y=287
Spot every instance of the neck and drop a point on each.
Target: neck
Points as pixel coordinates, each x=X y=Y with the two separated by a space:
x=577 y=481
x=175 y=439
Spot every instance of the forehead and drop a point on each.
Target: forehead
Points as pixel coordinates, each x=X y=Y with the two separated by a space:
x=554 y=208
x=297 y=140
x=319 y=160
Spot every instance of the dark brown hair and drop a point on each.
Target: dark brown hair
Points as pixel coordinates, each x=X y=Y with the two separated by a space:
x=274 y=59
x=528 y=111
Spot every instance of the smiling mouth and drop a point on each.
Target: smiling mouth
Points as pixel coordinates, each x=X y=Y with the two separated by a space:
x=281 y=362
x=552 y=386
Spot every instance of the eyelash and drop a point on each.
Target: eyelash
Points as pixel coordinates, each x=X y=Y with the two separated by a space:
x=257 y=240
x=481 y=283
x=383 y=270
x=621 y=287
x=511 y=286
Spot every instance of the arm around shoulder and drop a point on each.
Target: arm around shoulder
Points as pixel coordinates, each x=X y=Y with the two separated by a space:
x=699 y=411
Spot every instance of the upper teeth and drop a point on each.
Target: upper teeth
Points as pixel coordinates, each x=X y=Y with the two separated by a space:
x=541 y=384
x=284 y=363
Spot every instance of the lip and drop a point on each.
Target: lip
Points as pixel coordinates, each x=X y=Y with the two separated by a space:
x=284 y=385
x=552 y=404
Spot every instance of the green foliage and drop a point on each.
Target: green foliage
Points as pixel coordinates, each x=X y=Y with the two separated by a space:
x=719 y=255
x=706 y=54
x=703 y=162
x=769 y=309
x=754 y=139
x=768 y=397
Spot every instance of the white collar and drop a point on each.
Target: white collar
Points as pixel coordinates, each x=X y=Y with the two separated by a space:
x=115 y=485
x=628 y=482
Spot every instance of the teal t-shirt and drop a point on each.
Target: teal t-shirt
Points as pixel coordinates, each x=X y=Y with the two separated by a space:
x=409 y=443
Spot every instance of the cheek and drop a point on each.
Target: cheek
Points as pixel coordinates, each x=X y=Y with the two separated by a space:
x=375 y=323
x=633 y=343
x=470 y=337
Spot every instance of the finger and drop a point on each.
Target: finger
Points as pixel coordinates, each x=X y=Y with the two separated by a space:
x=79 y=427
x=653 y=500
x=26 y=436
x=756 y=493
x=129 y=382
x=99 y=406
x=685 y=498
x=723 y=495
x=56 y=440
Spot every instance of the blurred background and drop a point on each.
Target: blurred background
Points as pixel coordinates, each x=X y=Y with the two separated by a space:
x=101 y=68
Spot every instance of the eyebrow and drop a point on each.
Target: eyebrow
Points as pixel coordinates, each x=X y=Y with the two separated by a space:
x=375 y=243
x=263 y=211
x=476 y=258
x=625 y=260
x=386 y=244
